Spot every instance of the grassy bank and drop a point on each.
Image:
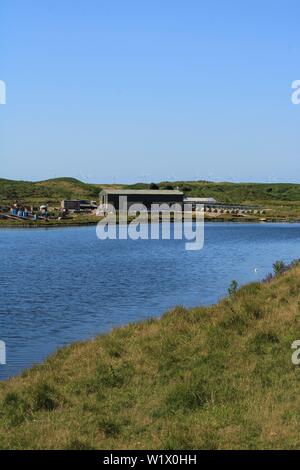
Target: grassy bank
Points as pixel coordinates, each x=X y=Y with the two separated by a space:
x=210 y=378
x=75 y=220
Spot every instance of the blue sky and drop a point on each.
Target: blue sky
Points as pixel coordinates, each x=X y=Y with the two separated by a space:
x=126 y=91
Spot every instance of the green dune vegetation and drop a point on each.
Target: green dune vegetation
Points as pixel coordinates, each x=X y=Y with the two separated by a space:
x=235 y=192
x=53 y=190
x=218 y=377
x=50 y=191
x=281 y=201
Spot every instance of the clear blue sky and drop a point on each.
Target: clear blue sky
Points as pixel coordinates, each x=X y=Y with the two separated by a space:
x=122 y=90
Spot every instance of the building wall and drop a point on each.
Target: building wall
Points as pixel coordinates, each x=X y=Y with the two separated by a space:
x=70 y=205
x=146 y=199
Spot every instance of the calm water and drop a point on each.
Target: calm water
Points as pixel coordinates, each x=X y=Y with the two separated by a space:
x=62 y=285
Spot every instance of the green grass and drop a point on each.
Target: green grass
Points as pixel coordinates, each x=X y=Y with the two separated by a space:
x=281 y=201
x=72 y=220
x=54 y=190
x=241 y=192
x=274 y=193
x=219 y=377
x=50 y=191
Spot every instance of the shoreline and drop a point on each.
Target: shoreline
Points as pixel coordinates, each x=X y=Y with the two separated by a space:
x=92 y=223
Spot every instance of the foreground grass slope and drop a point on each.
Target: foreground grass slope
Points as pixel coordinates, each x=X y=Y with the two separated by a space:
x=209 y=378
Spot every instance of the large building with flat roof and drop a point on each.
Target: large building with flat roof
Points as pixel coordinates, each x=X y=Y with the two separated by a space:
x=147 y=197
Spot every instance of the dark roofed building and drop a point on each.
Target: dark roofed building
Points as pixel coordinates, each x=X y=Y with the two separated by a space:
x=70 y=205
x=78 y=205
x=140 y=196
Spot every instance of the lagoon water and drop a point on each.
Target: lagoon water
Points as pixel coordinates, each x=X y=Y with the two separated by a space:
x=62 y=285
